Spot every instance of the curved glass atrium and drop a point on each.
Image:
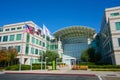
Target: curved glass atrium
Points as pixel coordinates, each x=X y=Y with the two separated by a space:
x=74 y=39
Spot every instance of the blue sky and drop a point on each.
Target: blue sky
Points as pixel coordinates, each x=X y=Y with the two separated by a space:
x=55 y=14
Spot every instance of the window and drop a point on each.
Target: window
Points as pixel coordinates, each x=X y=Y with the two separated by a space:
x=114 y=14
x=1 y=29
x=4 y=48
x=11 y=38
x=27 y=49
x=117 y=25
x=36 y=41
x=40 y=43
x=36 y=51
x=17 y=48
x=7 y=29
x=0 y=38
x=18 y=37
x=12 y=28
x=5 y=38
x=28 y=38
x=43 y=44
x=19 y=28
x=33 y=40
x=10 y=47
x=119 y=41
x=32 y=50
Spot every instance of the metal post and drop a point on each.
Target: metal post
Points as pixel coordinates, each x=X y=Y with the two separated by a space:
x=45 y=62
x=21 y=52
x=56 y=62
x=41 y=60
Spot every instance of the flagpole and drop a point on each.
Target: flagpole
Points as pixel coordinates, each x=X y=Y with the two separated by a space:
x=32 y=54
x=20 y=64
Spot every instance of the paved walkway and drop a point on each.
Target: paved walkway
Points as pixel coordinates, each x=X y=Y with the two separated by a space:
x=104 y=74
x=101 y=73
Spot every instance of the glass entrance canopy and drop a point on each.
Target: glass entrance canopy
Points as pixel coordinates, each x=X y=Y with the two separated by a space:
x=74 y=39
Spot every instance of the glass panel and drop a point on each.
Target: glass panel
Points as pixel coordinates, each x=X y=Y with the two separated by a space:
x=18 y=48
x=12 y=28
x=3 y=48
x=33 y=40
x=5 y=38
x=27 y=49
x=119 y=41
x=19 y=28
x=43 y=44
x=10 y=47
x=11 y=38
x=36 y=41
x=117 y=25
x=18 y=36
x=7 y=29
x=32 y=50
x=114 y=14
x=0 y=38
x=36 y=51
x=28 y=38
x=1 y=29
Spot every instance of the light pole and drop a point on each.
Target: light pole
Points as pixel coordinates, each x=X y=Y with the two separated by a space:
x=45 y=62
x=56 y=62
x=41 y=60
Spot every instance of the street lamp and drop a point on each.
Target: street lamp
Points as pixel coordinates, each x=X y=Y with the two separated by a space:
x=56 y=62
x=41 y=60
x=45 y=62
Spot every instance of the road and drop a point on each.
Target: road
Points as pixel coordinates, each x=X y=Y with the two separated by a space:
x=46 y=77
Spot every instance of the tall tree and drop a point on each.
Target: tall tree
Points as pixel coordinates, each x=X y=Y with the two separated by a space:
x=84 y=56
x=89 y=55
x=51 y=55
x=8 y=55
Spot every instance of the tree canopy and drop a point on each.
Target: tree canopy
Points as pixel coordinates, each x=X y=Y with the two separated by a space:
x=8 y=55
x=89 y=55
x=52 y=55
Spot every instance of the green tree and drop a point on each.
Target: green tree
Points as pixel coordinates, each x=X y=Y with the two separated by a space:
x=52 y=55
x=8 y=55
x=89 y=55
x=97 y=56
x=85 y=56
x=13 y=54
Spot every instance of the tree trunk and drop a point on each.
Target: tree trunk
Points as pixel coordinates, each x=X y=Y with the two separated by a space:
x=8 y=64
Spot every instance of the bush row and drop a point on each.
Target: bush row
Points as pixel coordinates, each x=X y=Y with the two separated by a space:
x=104 y=66
x=105 y=69
x=25 y=67
x=93 y=65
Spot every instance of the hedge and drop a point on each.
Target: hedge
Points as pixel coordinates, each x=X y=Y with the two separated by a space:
x=25 y=67
x=105 y=69
x=104 y=66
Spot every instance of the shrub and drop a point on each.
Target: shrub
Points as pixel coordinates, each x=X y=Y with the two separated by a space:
x=87 y=63
x=104 y=66
x=14 y=67
x=25 y=67
x=105 y=69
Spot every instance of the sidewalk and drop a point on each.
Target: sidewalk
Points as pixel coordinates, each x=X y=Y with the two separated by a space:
x=66 y=70
x=80 y=72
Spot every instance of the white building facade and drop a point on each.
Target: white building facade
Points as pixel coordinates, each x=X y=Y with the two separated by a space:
x=110 y=36
x=29 y=46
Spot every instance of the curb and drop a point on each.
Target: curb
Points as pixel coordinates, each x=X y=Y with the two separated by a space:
x=51 y=74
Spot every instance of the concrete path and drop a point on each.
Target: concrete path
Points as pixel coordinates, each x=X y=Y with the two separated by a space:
x=101 y=73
